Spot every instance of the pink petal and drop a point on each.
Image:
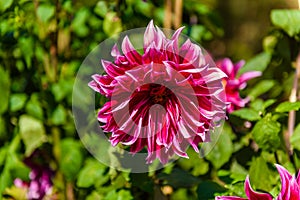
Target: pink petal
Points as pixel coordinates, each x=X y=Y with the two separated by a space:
x=238 y=65
x=131 y=54
x=249 y=75
x=285 y=178
x=252 y=195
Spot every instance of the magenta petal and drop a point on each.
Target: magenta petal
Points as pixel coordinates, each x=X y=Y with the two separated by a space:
x=285 y=178
x=131 y=54
x=252 y=195
x=238 y=65
x=249 y=75
x=298 y=178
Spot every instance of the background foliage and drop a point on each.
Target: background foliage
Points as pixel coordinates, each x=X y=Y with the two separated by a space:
x=43 y=43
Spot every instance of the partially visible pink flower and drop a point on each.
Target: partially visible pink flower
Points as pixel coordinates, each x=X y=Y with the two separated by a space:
x=164 y=99
x=233 y=84
x=40 y=184
x=290 y=188
x=290 y=185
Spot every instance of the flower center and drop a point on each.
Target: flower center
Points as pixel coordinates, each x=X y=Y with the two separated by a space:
x=159 y=94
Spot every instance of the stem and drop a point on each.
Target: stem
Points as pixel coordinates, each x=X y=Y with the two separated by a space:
x=292 y=114
x=168 y=14
x=178 y=13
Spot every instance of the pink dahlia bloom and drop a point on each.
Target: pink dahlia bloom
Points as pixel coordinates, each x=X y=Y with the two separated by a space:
x=290 y=188
x=233 y=84
x=165 y=99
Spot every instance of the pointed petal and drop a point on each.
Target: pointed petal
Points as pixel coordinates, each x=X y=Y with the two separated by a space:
x=130 y=53
x=252 y=195
x=249 y=75
x=285 y=178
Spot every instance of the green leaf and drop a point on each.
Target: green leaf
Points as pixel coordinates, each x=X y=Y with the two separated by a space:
x=59 y=115
x=92 y=174
x=5 y=180
x=120 y=195
x=34 y=108
x=112 y=24
x=268 y=103
x=79 y=23
x=3 y=152
x=3 y=131
x=288 y=20
x=258 y=63
x=17 y=101
x=45 y=12
x=101 y=8
x=71 y=158
x=295 y=139
x=5 y=4
x=32 y=132
x=208 y=189
x=178 y=178
x=260 y=175
x=5 y=90
x=238 y=172
x=261 y=88
x=247 y=114
x=288 y=106
x=266 y=134
x=222 y=150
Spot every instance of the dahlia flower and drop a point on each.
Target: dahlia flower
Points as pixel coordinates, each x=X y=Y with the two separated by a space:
x=165 y=99
x=232 y=84
x=40 y=184
x=290 y=188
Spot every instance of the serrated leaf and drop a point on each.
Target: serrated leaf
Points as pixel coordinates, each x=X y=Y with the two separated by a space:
x=247 y=114
x=258 y=63
x=5 y=90
x=92 y=174
x=261 y=88
x=32 y=132
x=45 y=12
x=288 y=20
x=288 y=106
x=266 y=134
x=71 y=158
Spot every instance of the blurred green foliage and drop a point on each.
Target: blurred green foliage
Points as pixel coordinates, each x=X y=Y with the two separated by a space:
x=42 y=44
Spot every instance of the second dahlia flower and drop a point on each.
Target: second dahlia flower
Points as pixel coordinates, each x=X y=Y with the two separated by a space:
x=165 y=99
x=290 y=188
x=233 y=85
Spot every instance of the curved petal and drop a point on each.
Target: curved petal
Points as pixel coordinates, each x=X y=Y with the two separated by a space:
x=252 y=195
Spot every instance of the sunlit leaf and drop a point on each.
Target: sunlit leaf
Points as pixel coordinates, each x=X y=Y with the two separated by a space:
x=45 y=12
x=247 y=114
x=261 y=88
x=288 y=20
x=266 y=134
x=258 y=63
x=92 y=174
x=288 y=106
x=32 y=133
